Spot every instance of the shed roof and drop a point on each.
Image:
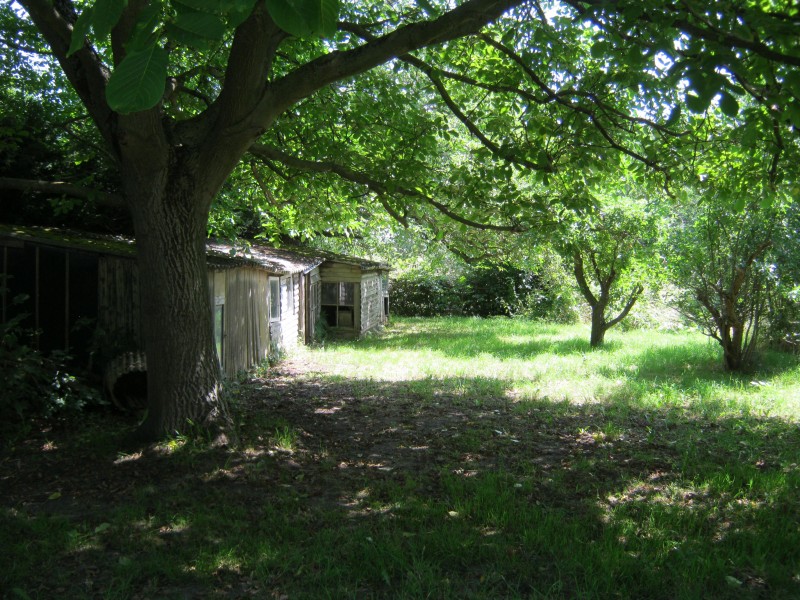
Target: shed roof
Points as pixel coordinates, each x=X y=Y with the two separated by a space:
x=292 y=260
x=221 y=254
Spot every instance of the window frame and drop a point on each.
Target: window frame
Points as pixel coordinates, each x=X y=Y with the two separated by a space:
x=341 y=295
x=273 y=299
x=219 y=328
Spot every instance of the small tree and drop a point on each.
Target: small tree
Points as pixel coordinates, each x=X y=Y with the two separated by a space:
x=723 y=265
x=608 y=250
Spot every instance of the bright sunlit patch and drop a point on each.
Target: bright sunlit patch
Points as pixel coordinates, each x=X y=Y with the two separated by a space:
x=126 y=458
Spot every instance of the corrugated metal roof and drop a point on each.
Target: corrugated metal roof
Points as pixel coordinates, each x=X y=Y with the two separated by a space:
x=276 y=260
x=291 y=260
x=281 y=261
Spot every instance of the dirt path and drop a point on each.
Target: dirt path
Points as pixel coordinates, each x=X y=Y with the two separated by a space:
x=339 y=433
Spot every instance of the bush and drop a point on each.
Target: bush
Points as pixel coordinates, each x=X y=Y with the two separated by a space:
x=782 y=325
x=484 y=290
x=424 y=295
x=35 y=385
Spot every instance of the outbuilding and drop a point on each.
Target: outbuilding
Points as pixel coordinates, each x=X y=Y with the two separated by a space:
x=80 y=292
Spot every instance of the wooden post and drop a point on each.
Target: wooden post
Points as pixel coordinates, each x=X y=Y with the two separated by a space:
x=4 y=281
x=66 y=301
x=36 y=298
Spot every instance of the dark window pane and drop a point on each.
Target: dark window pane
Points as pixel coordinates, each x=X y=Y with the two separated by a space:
x=345 y=317
x=330 y=291
x=274 y=299
x=347 y=297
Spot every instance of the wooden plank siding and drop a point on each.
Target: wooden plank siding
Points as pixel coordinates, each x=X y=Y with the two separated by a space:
x=290 y=297
x=371 y=302
x=313 y=286
x=118 y=312
x=335 y=271
x=246 y=339
x=71 y=277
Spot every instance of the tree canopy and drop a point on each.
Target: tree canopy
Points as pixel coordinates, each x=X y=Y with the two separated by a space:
x=489 y=114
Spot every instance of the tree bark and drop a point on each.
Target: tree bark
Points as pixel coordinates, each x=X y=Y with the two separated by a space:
x=169 y=205
x=600 y=324
x=599 y=328
x=171 y=170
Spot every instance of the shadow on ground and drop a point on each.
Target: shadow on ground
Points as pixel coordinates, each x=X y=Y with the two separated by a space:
x=364 y=489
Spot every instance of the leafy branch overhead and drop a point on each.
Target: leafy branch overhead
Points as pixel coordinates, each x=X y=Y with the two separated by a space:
x=501 y=114
x=137 y=81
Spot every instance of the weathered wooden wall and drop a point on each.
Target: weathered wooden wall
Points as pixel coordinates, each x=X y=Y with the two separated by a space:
x=290 y=312
x=371 y=302
x=335 y=271
x=246 y=317
x=313 y=301
x=118 y=312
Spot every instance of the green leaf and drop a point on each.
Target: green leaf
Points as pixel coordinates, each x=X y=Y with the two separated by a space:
x=728 y=105
x=202 y=25
x=674 y=115
x=305 y=18
x=54 y=496
x=80 y=30
x=696 y=104
x=143 y=35
x=793 y=112
x=138 y=81
x=600 y=49
x=239 y=12
x=289 y=17
x=738 y=204
x=750 y=135
x=102 y=527
x=106 y=14
x=792 y=81
x=185 y=38
x=212 y=7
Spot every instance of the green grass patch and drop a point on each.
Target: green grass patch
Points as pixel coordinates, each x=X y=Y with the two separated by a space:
x=449 y=458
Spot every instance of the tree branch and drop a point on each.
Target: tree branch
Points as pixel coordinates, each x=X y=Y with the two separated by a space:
x=580 y=277
x=466 y=19
x=380 y=188
x=628 y=306
x=63 y=189
x=84 y=69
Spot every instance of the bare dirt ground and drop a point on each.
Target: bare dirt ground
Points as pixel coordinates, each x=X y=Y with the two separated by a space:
x=342 y=435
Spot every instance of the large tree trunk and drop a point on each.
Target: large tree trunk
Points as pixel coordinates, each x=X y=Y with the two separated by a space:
x=183 y=374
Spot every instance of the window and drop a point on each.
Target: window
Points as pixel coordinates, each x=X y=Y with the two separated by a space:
x=290 y=294
x=274 y=299
x=219 y=320
x=338 y=304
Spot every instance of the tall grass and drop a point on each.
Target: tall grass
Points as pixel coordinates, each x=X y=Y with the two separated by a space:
x=554 y=363
x=446 y=458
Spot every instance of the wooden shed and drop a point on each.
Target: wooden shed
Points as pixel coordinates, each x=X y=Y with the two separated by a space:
x=81 y=292
x=347 y=296
x=353 y=294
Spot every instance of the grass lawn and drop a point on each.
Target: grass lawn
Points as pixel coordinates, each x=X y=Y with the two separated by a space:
x=446 y=458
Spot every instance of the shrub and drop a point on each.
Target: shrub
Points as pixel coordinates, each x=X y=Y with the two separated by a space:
x=35 y=384
x=484 y=290
x=424 y=295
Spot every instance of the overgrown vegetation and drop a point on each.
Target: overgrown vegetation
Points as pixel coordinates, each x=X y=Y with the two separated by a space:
x=36 y=385
x=450 y=458
x=484 y=290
